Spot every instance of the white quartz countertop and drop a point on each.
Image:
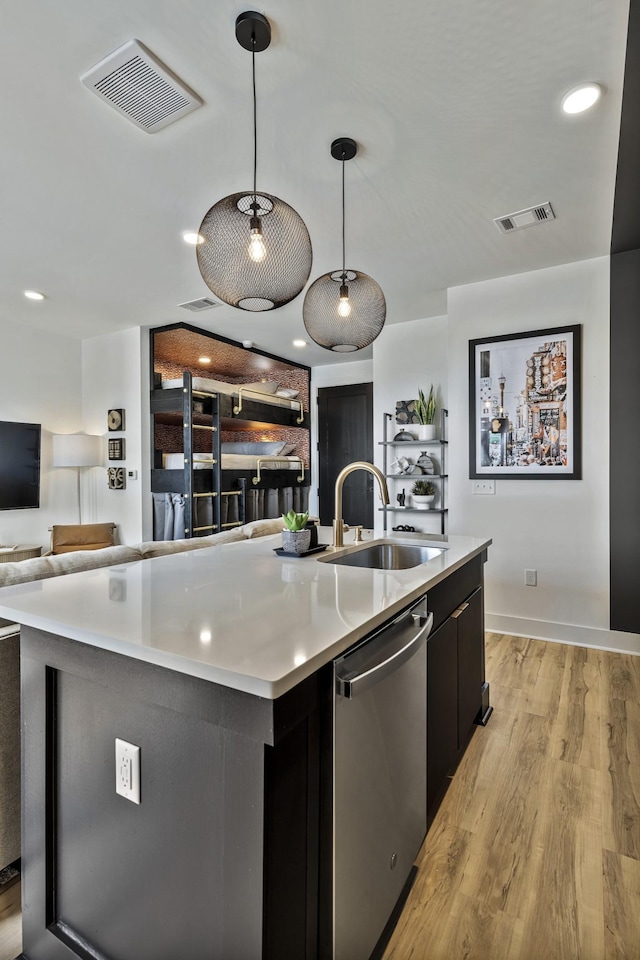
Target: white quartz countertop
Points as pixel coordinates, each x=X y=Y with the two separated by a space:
x=236 y=614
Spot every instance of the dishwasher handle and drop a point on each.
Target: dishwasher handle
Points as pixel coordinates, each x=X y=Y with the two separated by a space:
x=350 y=687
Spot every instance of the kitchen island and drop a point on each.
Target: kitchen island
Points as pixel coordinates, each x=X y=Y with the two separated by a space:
x=217 y=664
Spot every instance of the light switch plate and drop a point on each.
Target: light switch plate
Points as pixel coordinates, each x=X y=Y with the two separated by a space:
x=484 y=486
x=128 y=770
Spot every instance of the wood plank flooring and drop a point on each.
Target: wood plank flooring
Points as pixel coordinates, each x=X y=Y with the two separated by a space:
x=10 y=932
x=535 y=851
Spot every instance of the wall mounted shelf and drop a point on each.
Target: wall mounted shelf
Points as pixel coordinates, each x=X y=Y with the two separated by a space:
x=410 y=478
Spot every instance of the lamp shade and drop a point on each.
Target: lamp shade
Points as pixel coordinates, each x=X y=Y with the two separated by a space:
x=225 y=261
x=77 y=450
x=357 y=329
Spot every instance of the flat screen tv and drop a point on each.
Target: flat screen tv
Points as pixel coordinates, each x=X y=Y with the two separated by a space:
x=19 y=465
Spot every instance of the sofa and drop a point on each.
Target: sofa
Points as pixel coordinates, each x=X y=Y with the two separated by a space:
x=40 y=568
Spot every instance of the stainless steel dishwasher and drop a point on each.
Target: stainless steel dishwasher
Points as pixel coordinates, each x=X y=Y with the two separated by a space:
x=379 y=776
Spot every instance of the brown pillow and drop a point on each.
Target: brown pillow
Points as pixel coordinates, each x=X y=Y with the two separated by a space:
x=66 y=538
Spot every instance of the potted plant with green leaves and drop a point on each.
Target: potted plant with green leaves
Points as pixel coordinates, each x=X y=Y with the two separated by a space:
x=425 y=411
x=296 y=537
x=422 y=494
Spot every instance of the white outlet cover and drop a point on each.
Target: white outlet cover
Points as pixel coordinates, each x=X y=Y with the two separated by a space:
x=128 y=770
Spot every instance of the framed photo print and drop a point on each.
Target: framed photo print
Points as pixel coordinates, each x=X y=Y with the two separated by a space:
x=524 y=405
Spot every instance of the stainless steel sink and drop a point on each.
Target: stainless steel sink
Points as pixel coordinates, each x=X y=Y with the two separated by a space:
x=387 y=555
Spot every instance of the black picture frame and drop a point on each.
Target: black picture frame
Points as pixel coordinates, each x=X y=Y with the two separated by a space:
x=525 y=405
x=115 y=419
x=116 y=478
x=117 y=448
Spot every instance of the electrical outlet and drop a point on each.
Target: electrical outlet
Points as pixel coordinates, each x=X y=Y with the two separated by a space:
x=484 y=486
x=531 y=578
x=128 y=770
x=132 y=474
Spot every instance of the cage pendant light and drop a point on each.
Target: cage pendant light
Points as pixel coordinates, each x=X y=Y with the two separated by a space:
x=345 y=310
x=256 y=252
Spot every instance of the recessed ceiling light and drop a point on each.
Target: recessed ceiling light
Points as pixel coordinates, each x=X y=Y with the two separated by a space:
x=582 y=97
x=194 y=238
x=34 y=295
x=204 y=359
x=299 y=343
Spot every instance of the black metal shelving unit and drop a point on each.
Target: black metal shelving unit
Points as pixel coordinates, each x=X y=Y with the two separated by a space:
x=442 y=477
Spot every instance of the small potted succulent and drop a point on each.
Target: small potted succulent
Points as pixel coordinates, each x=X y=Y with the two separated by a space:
x=296 y=536
x=425 y=411
x=422 y=494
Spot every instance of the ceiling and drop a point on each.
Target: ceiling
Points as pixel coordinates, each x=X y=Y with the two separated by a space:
x=455 y=107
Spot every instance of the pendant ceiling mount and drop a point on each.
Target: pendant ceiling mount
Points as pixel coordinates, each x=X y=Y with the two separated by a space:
x=253 y=31
x=344 y=310
x=344 y=148
x=256 y=252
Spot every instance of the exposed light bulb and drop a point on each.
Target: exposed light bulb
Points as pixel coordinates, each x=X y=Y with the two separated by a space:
x=344 y=307
x=257 y=249
x=344 y=304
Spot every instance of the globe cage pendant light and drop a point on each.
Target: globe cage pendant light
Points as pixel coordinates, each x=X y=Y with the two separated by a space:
x=256 y=252
x=345 y=310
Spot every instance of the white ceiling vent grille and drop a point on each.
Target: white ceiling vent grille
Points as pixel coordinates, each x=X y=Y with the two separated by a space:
x=525 y=218
x=139 y=86
x=196 y=306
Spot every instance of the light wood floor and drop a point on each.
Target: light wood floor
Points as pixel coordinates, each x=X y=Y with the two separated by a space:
x=10 y=933
x=535 y=851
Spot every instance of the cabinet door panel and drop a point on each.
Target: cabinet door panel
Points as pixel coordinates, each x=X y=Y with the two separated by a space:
x=442 y=707
x=470 y=666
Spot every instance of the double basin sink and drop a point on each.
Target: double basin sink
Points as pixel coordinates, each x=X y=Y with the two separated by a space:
x=387 y=555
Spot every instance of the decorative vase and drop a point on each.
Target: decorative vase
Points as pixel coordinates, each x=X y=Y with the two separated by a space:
x=422 y=502
x=425 y=463
x=425 y=431
x=296 y=541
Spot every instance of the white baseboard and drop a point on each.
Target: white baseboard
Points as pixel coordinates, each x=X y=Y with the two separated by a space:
x=613 y=640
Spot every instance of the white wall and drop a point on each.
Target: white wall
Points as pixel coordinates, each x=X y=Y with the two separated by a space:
x=41 y=383
x=408 y=357
x=116 y=374
x=560 y=528
x=330 y=375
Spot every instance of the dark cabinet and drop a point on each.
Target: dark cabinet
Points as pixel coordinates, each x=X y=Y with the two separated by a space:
x=455 y=689
x=442 y=708
x=469 y=619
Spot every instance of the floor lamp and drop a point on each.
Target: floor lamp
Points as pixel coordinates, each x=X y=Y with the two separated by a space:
x=77 y=450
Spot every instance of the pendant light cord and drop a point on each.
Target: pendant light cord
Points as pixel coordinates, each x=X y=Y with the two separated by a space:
x=344 y=272
x=255 y=125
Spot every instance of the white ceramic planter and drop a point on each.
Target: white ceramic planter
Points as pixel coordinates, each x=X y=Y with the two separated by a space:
x=425 y=431
x=296 y=541
x=422 y=502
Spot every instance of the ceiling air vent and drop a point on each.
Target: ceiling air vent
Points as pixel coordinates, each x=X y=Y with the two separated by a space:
x=204 y=303
x=525 y=218
x=139 y=86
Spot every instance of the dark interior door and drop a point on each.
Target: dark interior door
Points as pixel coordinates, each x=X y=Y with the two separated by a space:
x=345 y=434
